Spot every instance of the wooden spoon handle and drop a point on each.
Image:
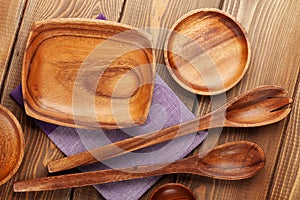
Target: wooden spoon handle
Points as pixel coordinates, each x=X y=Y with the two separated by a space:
x=229 y=161
x=101 y=176
x=131 y=144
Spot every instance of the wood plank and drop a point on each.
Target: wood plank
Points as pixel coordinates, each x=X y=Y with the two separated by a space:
x=86 y=193
x=39 y=149
x=273 y=30
x=272 y=27
x=286 y=180
x=162 y=14
x=10 y=15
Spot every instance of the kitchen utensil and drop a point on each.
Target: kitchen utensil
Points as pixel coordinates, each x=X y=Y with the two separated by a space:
x=256 y=107
x=230 y=161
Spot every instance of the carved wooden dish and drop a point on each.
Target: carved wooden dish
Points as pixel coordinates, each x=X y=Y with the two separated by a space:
x=11 y=145
x=88 y=73
x=207 y=52
x=172 y=191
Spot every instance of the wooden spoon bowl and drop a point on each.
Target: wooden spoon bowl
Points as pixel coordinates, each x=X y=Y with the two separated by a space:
x=230 y=161
x=172 y=191
x=11 y=145
x=207 y=51
x=257 y=107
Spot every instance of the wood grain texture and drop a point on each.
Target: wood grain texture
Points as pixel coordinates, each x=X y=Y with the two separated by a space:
x=39 y=150
x=10 y=16
x=286 y=181
x=172 y=191
x=256 y=107
x=162 y=14
x=208 y=51
x=230 y=161
x=12 y=145
x=100 y=70
x=87 y=192
x=272 y=30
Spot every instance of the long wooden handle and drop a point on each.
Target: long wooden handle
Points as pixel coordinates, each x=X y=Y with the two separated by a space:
x=230 y=161
x=131 y=144
x=102 y=176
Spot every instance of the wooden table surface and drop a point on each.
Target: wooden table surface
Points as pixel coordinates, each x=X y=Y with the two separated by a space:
x=273 y=27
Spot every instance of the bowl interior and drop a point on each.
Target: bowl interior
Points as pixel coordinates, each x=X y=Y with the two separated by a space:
x=172 y=191
x=11 y=145
x=88 y=73
x=207 y=52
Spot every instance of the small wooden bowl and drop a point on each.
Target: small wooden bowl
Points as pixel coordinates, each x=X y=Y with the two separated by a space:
x=11 y=145
x=172 y=191
x=207 y=51
x=111 y=66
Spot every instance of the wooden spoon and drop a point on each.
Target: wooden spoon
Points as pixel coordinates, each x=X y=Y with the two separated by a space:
x=230 y=161
x=257 y=107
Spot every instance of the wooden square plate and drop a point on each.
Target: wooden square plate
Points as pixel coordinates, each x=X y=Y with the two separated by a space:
x=88 y=73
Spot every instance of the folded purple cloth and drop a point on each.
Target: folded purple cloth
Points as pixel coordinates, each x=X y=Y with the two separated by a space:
x=166 y=110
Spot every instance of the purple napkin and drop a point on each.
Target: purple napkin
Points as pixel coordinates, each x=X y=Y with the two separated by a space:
x=166 y=110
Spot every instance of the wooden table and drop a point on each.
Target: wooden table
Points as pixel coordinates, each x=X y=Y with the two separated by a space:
x=274 y=31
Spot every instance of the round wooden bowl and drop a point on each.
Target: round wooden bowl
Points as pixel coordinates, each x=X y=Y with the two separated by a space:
x=172 y=191
x=207 y=51
x=11 y=145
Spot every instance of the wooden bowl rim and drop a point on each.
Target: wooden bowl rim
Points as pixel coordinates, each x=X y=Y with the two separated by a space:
x=77 y=21
x=20 y=135
x=168 y=185
x=38 y=24
x=231 y=17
